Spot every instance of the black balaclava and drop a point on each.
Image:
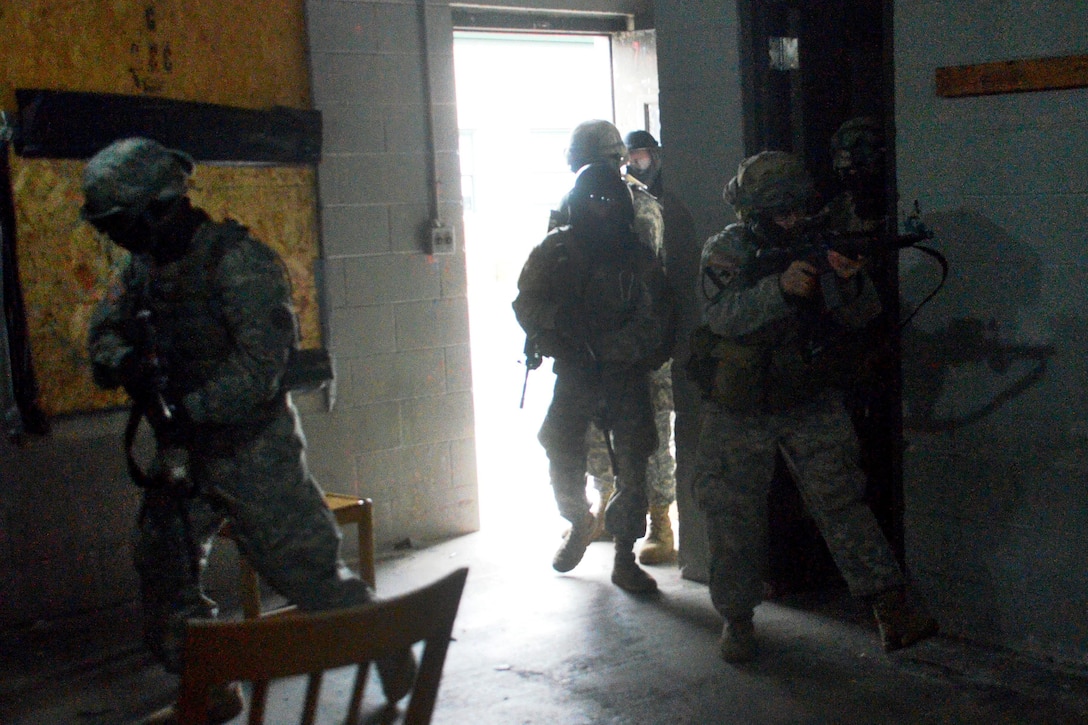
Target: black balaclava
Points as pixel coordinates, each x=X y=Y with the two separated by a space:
x=601 y=210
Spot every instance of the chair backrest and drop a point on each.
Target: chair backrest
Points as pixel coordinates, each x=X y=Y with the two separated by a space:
x=262 y=650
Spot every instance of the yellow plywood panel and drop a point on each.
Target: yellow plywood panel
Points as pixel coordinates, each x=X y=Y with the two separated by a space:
x=65 y=267
x=246 y=53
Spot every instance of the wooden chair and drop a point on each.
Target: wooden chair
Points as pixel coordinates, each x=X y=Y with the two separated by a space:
x=346 y=510
x=266 y=648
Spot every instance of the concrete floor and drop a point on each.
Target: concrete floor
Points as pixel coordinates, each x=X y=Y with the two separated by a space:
x=534 y=646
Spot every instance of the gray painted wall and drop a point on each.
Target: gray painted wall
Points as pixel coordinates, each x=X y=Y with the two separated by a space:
x=996 y=505
x=700 y=100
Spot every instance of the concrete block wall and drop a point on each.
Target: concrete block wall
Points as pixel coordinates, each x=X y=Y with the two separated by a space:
x=997 y=441
x=401 y=430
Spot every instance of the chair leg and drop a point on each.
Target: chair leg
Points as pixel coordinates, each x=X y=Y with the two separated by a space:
x=365 y=532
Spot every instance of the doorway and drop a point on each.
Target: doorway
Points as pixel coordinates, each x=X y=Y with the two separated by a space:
x=519 y=96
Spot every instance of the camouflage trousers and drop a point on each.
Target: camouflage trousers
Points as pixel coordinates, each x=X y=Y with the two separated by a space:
x=278 y=518
x=661 y=468
x=579 y=398
x=734 y=467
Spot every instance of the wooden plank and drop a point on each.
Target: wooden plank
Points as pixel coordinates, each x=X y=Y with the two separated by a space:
x=1013 y=76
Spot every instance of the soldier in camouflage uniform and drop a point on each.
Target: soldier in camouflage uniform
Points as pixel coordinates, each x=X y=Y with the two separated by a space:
x=600 y=141
x=202 y=320
x=644 y=165
x=857 y=160
x=594 y=298
x=772 y=396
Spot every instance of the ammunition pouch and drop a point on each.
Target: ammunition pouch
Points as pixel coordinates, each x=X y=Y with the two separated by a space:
x=726 y=372
x=310 y=369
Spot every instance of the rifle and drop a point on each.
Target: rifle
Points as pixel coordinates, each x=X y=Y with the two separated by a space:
x=814 y=245
x=815 y=242
x=153 y=398
x=533 y=359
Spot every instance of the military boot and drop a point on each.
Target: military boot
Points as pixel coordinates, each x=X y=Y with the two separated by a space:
x=224 y=703
x=738 y=641
x=626 y=574
x=901 y=624
x=658 y=548
x=574 y=544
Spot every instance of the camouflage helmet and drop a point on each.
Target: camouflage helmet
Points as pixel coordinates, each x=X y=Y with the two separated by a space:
x=858 y=145
x=129 y=174
x=595 y=140
x=770 y=181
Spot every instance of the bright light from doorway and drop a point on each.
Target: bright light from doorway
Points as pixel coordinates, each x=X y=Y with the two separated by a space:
x=519 y=97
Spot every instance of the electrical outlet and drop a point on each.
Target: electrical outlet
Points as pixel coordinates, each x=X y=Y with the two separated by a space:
x=442 y=239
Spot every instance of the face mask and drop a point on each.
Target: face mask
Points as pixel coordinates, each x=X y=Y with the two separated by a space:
x=131 y=233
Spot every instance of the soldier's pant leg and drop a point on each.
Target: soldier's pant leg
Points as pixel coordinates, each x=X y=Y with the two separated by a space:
x=661 y=468
x=635 y=439
x=598 y=463
x=283 y=526
x=563 y=436
x=280 y=519
x=174 y=538
x=733 y=469
x=823 y=447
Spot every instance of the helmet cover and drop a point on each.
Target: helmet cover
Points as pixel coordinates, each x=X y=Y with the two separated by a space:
x=858 y=145
x=595 y=140
x=769 y=182
x=127 y=175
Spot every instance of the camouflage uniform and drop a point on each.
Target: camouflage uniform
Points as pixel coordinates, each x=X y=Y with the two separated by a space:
x=661 y=472
x=624 y=314
x=784 y=403
x=661 y=468
x=225 y=325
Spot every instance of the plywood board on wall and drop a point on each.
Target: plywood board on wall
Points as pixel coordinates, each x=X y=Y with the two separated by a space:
x=246 y=53
x=65 y=267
